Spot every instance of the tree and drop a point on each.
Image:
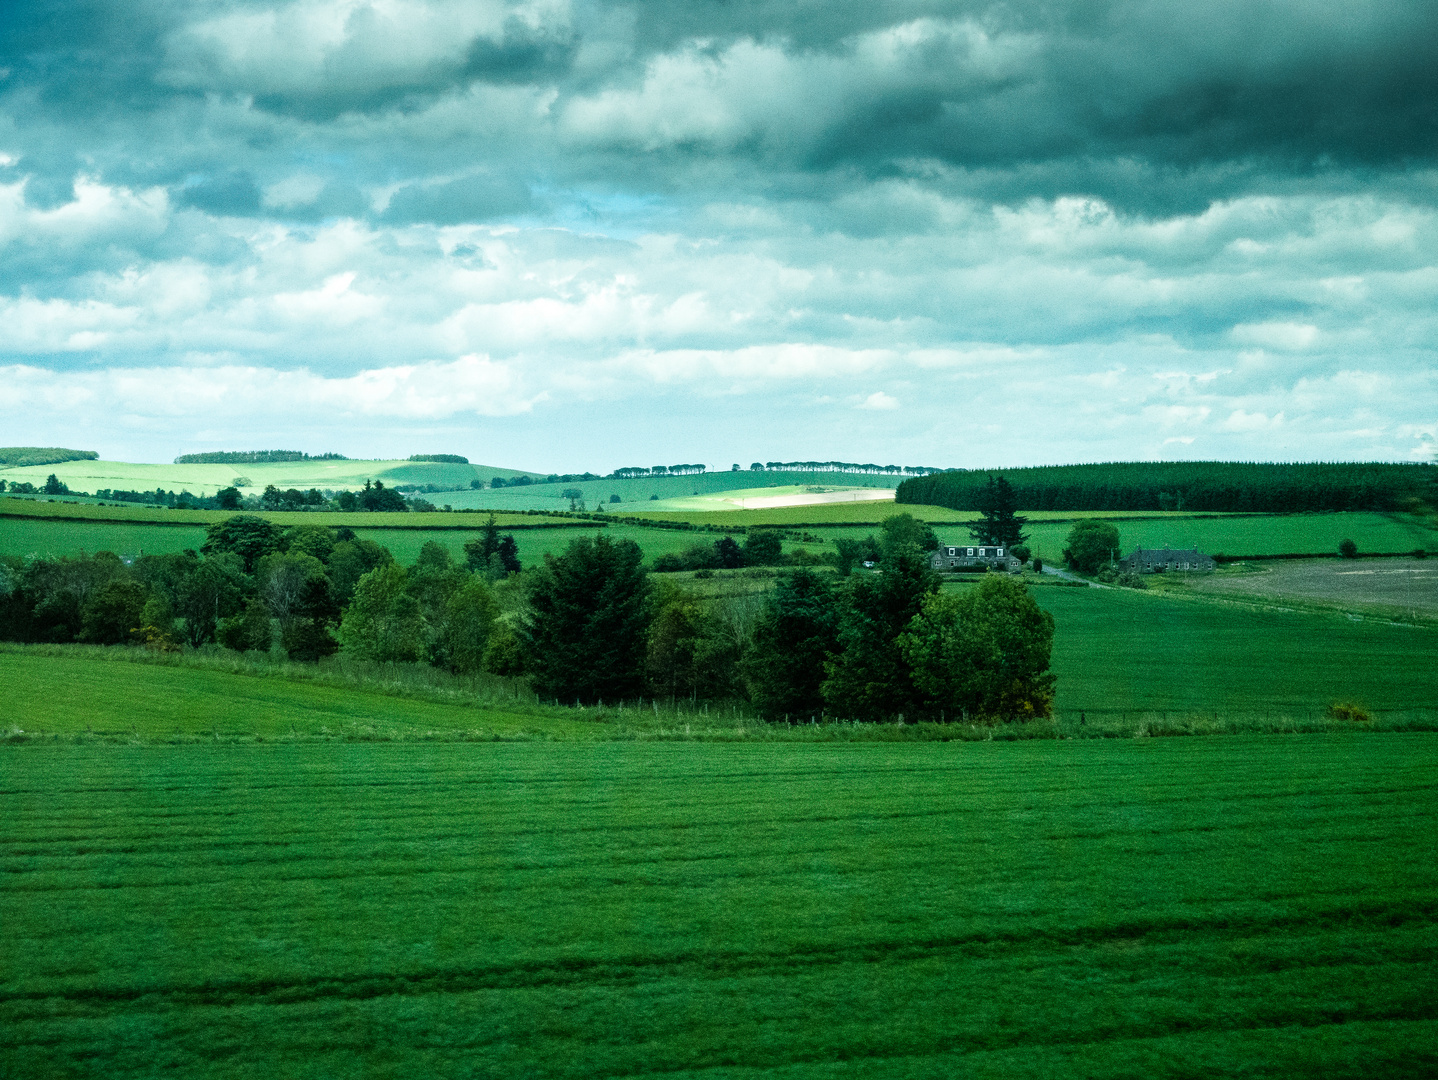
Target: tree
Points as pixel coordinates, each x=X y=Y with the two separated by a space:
x=984 y=653
x=795 y=634
x=903 y=534
x=306 y=635
x=316 y=540
x=380 y=499
x=383 y=620
x=1348 y=549
x=228 y=498
x=575 y=496
x=251 y=629
x=114 y=610
x=351 y=560
x=728 y=554
x=469 y=618
x=855 y=552
x=869 y=679
x=1000 y=524
x=1090 y=544
x=214 y=590
x=245 y=535
x=763 y=547
x=585 y=636
x=53 y=486
x=492 y=553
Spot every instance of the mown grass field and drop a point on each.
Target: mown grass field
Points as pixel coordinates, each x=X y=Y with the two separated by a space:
x=1258 y=906
x=85 y=512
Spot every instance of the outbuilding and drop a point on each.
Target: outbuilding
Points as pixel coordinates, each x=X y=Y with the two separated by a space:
x=1163 y=560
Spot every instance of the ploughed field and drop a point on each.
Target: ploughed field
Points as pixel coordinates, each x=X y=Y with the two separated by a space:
x=1400 y=587
x=1183 y=907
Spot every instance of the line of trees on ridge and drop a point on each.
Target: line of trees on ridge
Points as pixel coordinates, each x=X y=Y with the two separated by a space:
x=1190 y=485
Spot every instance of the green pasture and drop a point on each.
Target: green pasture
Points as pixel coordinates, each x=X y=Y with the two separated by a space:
x=47 y=538
x=207 y=479
x=78 y=691
x=634 y=495
x=65 y=510
x=1257 y=906
x=1241 y=534
x=1117 y=651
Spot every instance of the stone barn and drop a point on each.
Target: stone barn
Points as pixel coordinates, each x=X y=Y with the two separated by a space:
x=973 y=557
x=1162 y=560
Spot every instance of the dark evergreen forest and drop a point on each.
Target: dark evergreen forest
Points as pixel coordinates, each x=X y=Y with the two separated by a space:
x=1188 y=485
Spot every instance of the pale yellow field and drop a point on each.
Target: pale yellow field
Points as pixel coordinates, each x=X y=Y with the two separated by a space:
x=770 y=498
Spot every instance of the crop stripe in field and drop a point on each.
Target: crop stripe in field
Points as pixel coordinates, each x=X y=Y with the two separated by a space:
x=718 y=963
x=995 y=1056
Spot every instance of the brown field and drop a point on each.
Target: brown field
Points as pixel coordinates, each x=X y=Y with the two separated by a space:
x=1382 y=586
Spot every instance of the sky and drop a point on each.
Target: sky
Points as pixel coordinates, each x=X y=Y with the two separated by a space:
x=567 y=235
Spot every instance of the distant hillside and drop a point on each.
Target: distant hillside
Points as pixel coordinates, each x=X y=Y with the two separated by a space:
x=1188 y=485
x=42 y=455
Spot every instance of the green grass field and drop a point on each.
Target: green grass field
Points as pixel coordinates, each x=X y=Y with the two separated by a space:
x=1245 y=535
x=93 y=476
x=1259 y=906
x=1120 y=651
x=48 y=537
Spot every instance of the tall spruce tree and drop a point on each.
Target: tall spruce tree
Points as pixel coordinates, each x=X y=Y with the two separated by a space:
x=783 y=667
x=586 y=635
x=1000 y=524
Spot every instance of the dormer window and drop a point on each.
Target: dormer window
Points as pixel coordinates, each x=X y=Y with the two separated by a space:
x=1000 y=553
x=971 y=553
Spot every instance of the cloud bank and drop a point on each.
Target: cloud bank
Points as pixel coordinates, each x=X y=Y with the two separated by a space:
x=568 y=234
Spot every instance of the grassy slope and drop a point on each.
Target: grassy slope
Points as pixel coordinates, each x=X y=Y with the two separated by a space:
x=133 y=476
x=634 y=494
x=1256 y=906
x=89 y=691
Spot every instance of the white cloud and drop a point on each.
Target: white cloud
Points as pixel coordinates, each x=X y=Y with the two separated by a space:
x=879 y=402
x=1288 y=336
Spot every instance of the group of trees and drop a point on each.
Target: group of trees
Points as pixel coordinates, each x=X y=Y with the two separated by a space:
x=1190 y=485
x=53 y=486
x=841 y=466
x=307 y=590
x=253 y=457
x=761 y=547
x=13 y=456
x=870 y=647
x=589 y=625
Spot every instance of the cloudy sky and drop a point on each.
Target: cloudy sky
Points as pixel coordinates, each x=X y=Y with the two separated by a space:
x=564 y=234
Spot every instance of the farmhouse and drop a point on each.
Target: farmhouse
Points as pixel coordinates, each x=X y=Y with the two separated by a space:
x=971 y=557
x=1160 y=560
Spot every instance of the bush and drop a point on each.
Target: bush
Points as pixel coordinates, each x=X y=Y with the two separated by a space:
x=1419 y=553
x=1348 y=549
x=1038 y=566
x=1020 y=552
x=1349 y=710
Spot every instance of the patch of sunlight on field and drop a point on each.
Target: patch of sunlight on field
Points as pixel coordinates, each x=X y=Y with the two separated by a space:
x=1260 y=906
x=774 y=498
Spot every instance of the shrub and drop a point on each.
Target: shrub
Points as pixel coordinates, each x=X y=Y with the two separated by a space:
x=1349 y=710
x=1419 y=553
x=1348 y=549
x=1038 y=566
x=1020 y=552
